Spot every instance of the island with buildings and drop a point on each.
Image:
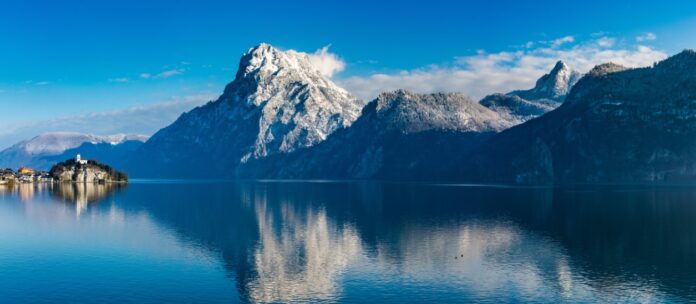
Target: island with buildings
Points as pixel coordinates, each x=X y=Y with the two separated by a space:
x=77 y=170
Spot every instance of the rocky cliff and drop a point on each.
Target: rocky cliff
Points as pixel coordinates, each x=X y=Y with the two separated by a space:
x=91 y=172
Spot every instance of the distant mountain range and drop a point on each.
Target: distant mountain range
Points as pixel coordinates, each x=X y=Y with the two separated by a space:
x=280 y=118
x=42 y=151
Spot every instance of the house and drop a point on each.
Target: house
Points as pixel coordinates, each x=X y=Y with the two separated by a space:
x=25 y=171
x=7 y=177
x=26 y=179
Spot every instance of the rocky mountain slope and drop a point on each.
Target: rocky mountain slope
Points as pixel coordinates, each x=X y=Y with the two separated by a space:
x=277 y=103
x=616 y=125
x=548 y=93
x=396 y=133
x=42 y=151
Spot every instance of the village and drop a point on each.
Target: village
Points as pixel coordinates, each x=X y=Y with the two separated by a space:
x=26 y=175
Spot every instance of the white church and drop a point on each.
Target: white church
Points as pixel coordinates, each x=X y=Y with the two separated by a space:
x=79 y=160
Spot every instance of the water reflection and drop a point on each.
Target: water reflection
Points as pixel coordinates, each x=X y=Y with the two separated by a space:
x=83 y=194
x=300 y=255
x=368 y=242
x=25 y=192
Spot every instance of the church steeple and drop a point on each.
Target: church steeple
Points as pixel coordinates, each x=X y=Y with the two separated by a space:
x=79 y=160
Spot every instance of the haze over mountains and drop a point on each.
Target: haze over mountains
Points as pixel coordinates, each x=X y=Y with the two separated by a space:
x=42 y=151
x=281 y=118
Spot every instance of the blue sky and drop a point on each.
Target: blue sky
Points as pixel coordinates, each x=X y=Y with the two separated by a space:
x=66 y=65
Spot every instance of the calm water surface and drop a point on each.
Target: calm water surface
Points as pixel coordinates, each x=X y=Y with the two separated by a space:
x=230 y=242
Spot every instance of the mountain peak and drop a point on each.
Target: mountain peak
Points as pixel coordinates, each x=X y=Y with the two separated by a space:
x=554 y=86
x=277 y=103
x=411 y=112
x=560 y=66
x=260 y=58
x=606 y=68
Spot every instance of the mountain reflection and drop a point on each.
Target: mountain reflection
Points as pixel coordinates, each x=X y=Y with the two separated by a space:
x=300 y=242
x=301 y=256
x=362 y=242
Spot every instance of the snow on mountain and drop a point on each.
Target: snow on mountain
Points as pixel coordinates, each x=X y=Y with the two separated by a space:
x=411 y=112
x=57 y=142
x=616 y=125
x=299 y=107
x=516 y=109
x=548 y=93
x=277 y=103
x=554 y=86
x=398 y=135
x=34 y=152
x=117 y=139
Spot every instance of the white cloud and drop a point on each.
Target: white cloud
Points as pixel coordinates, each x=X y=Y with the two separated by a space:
x=486 y=73
x=646 y=37
x=606 y=42
x=563 y=40
x=145 y=75
x=119 y=79
x=145 y=119
x=326 y=62
x=41 y=83
x=170 y=73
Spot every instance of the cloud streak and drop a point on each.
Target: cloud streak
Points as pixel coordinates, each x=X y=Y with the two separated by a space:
x=646 y=37
x=563 y=40
x=119 y=79
x=170 y=73
x=485 y=73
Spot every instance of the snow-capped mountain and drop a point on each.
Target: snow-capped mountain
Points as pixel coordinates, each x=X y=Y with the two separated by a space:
x=277 y=103
x=554 y=86
x=280 y=118
x=57 y=142
x=410 y=112
x=548 y=93
x=616 y=125
x=33 y=152
x=397 y=135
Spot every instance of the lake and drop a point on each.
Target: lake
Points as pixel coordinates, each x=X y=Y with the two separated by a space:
x=219 y=241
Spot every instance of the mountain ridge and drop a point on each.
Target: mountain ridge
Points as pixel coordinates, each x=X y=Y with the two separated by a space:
x=547 y=94
x=37 y=152
x=396 y=132
x=616 y=125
